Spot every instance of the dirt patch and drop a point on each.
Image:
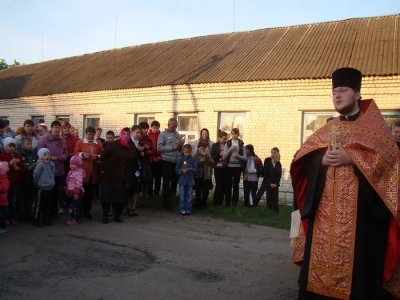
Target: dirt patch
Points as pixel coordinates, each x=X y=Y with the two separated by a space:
x=155 y=256
x=75 y=256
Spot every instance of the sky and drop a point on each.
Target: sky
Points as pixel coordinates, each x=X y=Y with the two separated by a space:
x=40 y=30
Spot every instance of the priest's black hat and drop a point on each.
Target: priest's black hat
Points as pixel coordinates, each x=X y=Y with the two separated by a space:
x=347 y=77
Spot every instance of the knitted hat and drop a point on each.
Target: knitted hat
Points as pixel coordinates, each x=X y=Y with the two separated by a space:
x=3 y=168
x=42 y=152
x=75 y=160
x=8 y=141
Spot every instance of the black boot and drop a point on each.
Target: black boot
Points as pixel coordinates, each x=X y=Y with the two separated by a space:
x=37 y=223
x=47 y=222
x=117 y=219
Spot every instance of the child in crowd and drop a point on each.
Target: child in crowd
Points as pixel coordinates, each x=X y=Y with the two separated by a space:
x=185 y=168
x=14 y=176
x=153 y=135
x=74 y=188
x=271 y=181
x=203 y=175
x=26 y=194
x=43 y=178
x=4 y=185
x=110 y=136
x=42 y=130
x=252 y=171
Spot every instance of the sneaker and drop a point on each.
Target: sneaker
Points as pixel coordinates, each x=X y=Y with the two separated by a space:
x=69 y=211
x=14 y=222
x=183 y=213
x=61 y=211
x=105 y=220
x=110 y=213
x=3 y=230
x=71 y=222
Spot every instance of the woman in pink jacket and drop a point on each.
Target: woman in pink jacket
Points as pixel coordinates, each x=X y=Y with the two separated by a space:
x=89 y=151
x=74 y=188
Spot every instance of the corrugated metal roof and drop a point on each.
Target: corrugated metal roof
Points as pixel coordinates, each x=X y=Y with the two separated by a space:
x=297 y=52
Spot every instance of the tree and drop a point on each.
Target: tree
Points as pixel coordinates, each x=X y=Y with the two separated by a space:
x=4 y=65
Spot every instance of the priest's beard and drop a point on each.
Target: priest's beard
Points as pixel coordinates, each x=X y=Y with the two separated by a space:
x=349 y=109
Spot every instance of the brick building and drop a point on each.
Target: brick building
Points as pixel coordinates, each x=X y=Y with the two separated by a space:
x=274 y=84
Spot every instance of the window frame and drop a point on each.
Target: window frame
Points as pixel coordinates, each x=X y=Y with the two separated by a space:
x=94 y=116
x=37 y=118
x=303 y=136
x=148 y=116
x=64 y=117
x=190 y=132
x=235 y=114
x=388 y=113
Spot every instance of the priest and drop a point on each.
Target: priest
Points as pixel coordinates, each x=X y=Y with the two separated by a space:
x=347 y=187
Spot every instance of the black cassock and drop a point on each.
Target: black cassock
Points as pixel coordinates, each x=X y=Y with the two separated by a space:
x=373 y=218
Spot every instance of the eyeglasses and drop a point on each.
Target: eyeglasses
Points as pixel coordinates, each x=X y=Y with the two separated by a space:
x=340 y=91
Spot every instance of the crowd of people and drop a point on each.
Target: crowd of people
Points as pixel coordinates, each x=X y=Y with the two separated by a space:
x=47 y=172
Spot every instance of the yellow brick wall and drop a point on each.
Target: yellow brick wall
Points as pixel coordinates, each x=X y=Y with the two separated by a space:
x=273 y=108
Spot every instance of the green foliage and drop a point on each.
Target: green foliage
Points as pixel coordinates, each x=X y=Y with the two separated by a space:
x=4 y=65
x=254 y=215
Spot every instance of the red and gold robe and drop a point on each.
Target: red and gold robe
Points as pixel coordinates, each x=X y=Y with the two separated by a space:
x=369 y=143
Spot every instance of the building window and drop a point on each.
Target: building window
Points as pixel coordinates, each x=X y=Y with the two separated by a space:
x=144 y=118
x=187 y=127
x=35 y=119
x=65 y=118
x=314 y=121
x=230 y=120
x=391 y=117
x=91 y=120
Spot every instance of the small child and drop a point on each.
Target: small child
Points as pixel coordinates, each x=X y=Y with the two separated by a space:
x=203 y=175
x=4 y=185
x=43 y=178
x=186 y=167
x=26 y=193
x=74 y=188
x=14 y=176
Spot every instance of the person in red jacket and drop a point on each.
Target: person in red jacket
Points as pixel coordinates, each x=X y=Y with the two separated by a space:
x=89 y=150
x=153 y=135
x=16 y=165
x=4 y=185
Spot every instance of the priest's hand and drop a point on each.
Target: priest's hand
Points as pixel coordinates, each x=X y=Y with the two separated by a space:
x=336 y=158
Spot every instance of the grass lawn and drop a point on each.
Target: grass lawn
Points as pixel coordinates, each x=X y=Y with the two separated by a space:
x=258 y=215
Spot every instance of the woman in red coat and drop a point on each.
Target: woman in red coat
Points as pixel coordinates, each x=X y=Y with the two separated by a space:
x=89 y=151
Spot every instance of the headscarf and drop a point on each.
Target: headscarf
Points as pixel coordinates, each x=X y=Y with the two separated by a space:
x=122 y=141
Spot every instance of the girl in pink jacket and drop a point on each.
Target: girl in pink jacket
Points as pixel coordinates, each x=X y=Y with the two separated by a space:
x=74 y=188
